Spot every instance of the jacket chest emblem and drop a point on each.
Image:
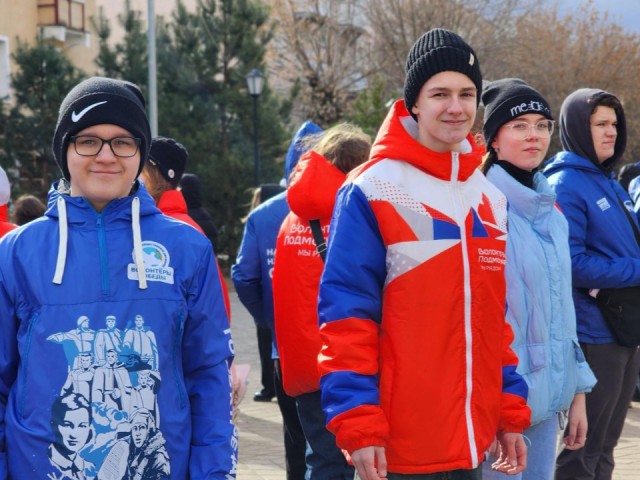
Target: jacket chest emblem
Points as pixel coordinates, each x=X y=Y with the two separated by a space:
x=156 y=264
x=603 y=203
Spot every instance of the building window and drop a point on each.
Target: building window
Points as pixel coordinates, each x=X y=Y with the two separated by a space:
x=4 y=68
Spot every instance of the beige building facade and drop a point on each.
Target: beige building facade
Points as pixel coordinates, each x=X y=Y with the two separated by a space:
x=65 y=23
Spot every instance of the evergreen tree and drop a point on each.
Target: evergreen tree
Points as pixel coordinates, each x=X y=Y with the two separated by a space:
x=203 y=57
x=43 y=78
x=371 y=106
x=128 y=59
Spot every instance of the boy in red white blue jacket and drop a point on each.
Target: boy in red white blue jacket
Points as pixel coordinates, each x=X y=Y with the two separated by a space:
x=417 y=374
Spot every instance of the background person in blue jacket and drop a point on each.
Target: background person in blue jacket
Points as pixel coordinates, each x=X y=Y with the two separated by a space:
x=251 y=275
x=103 y=248
x=517 y=127
x=604 y=254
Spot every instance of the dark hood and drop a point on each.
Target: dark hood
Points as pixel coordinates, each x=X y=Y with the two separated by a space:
x=575 y=129
x=190 y=186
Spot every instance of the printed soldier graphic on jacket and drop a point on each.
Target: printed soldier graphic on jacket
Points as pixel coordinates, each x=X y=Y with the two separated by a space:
x=106 y=420
x=109 y=338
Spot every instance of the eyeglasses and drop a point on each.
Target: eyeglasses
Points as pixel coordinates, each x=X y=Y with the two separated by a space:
x=522 y=130
x=89 y=146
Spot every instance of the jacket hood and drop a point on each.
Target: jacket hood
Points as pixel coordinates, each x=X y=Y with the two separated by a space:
x=397 y=139
x=4 y=213
x=314 y=185
x=68 y=210
x=570 y=160
x=575 y=129
x=190 y=187
x=296 y=148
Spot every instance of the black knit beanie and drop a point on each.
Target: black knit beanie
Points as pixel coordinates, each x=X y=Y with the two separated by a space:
x=437 y=51
x=506 y=99
x=170 y=157
x=97 y=101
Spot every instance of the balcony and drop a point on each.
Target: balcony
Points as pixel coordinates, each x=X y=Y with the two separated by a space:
x=63 y=21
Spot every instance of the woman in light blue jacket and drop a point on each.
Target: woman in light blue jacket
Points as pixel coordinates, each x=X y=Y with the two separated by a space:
x=517 y=130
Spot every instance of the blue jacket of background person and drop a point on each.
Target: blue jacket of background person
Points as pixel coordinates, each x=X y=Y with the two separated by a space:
x=252 y=272
x=634 y=193
x=604 y=250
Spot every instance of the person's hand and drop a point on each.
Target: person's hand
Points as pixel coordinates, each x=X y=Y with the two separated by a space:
x=513 y=454
x=494 y=449
x=370 y=462
x=577 y=435
x=115 y=393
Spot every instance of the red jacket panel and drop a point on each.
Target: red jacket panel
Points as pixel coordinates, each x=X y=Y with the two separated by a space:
x=297 y=270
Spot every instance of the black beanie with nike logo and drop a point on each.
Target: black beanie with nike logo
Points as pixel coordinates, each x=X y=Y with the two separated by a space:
x=97 y=101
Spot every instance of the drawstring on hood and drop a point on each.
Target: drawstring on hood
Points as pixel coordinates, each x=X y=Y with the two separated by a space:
x=62 y=241
x=63 y=230
x=137 y=243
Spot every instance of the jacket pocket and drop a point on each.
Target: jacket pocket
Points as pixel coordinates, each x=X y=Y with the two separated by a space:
x=177 y=361
x=24 y=370
x=531 y=358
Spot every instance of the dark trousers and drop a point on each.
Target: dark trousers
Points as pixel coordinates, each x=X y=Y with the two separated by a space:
x=475 y=474
x=266 y=362
x=616 y=369
x=325 y=460
x=295 y=445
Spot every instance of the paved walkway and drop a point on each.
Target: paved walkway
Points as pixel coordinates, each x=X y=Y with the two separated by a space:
x=261 y=452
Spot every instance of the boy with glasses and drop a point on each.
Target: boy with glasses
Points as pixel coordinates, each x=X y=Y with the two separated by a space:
x=102 y=249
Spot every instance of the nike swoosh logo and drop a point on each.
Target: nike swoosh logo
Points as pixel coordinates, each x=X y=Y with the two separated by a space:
x=75 y=117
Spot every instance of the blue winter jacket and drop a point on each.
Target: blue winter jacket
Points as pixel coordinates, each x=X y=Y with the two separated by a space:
x=604 y=251
x=540 y=307
x=144 y=394
x=252 y=272
x=634 y=193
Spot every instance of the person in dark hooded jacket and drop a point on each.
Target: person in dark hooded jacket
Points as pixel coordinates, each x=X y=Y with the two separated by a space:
x=190 y=187
x=604 y=254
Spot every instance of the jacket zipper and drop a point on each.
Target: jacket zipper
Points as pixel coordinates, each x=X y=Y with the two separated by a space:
x=460 y=214
x=104 y=267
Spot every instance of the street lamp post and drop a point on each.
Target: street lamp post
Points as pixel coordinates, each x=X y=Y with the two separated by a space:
x=255 y=83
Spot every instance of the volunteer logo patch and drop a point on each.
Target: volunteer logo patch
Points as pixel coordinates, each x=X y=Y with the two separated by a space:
x=156 y=264
x=603 y=203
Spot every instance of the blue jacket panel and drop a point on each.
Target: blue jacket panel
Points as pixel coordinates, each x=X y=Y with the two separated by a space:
x=604 y=250
x=297 y=148
x=99 y=376
x=541 y=312
x=253 y=269
x=634 y=193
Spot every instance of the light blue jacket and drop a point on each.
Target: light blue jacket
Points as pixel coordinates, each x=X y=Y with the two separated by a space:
x=540 y=306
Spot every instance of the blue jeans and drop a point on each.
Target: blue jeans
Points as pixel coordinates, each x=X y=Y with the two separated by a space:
x=325 y=460
x=475 y=474
x=541 y=454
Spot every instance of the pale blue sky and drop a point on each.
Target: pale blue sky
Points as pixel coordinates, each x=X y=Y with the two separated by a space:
x=624 y=12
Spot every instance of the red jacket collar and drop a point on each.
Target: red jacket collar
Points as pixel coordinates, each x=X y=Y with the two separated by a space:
x=396 y=140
